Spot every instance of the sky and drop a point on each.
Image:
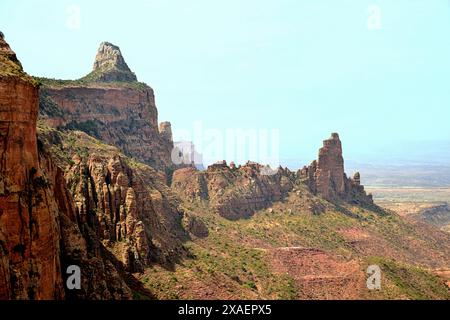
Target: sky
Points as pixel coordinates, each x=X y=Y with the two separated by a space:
x=377 y=72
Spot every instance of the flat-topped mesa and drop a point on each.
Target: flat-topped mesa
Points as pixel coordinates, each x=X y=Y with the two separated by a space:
x=326 y=176
x=110 y=66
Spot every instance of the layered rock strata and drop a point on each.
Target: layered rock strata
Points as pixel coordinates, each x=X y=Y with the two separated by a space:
x=234 y=192
x=126 y=204
x=29 y=232
x=111 y=107
x=326 y=176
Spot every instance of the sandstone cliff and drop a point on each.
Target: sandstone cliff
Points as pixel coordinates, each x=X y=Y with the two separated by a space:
x=110 y=66
x=126 y=204
x=109 y=104
x=29 y=231
x=234 y=192
x=238 y=192
x=326 y=176
x=41 y=229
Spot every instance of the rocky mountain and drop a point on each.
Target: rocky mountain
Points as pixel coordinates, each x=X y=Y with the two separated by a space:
x=327 y=178
x=110 y=66
x=233 y=192
x=30 y=266
x=39 y=231
x=70 y=200
x=238 y=192
x=126 y=204
x=91 y=184
x=110 y=105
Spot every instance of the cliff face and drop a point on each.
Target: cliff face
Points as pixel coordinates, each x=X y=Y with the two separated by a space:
x=102 y=275
x=41 y=229
x=29 y=231
x=110 y=66
x=238 y=192
x=110 y=105
x=234 y=192
x=125 y=204
x=326 y=176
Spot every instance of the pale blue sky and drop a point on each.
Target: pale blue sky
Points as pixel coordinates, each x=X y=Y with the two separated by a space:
x=306 y=67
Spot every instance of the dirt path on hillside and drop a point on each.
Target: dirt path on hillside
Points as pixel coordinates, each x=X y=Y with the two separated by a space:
x=318 y=275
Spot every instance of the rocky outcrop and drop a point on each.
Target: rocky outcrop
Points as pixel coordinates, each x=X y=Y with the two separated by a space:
x=330 y=169
x=102 y=275
x=29 y=231
x=165 y=130
x=237 y=192
x=326 y=176
x=110 y=66
x=234 y=192
x=120 y=113
x=126 y=204
x=41 y=231
x=195 y=226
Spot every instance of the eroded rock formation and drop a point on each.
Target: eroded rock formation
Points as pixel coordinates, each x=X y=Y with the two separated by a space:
x=110 y=66
x=121 y=113
x=326 y=176
x=29 y=231
x=103 y=276
x=237 y=192
x=43 y=229
x=126 y=204
x=234 y=192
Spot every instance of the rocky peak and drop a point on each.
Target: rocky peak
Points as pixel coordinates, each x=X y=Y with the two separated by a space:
x=110 y=66
x=327 y=178
x=9 y=64
x=330 y=168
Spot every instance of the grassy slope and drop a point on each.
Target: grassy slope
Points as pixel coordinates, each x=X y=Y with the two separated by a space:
x=236 y=260
x=10 y=68
x=88 y=82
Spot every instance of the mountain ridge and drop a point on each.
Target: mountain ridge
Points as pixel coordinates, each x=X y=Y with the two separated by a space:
x=102 y=163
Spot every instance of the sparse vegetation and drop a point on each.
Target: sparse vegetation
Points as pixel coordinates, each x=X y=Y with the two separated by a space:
x=88 y=81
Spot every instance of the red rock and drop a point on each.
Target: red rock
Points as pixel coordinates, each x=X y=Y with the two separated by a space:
x=233 y=192
x=326 y=177
x=29 y=232
x=121 y=113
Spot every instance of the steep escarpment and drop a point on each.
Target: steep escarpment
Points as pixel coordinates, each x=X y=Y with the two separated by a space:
x=110 y=105
x=126 y=204
x=29 y=231
x=40 y=231
x=103 y=276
